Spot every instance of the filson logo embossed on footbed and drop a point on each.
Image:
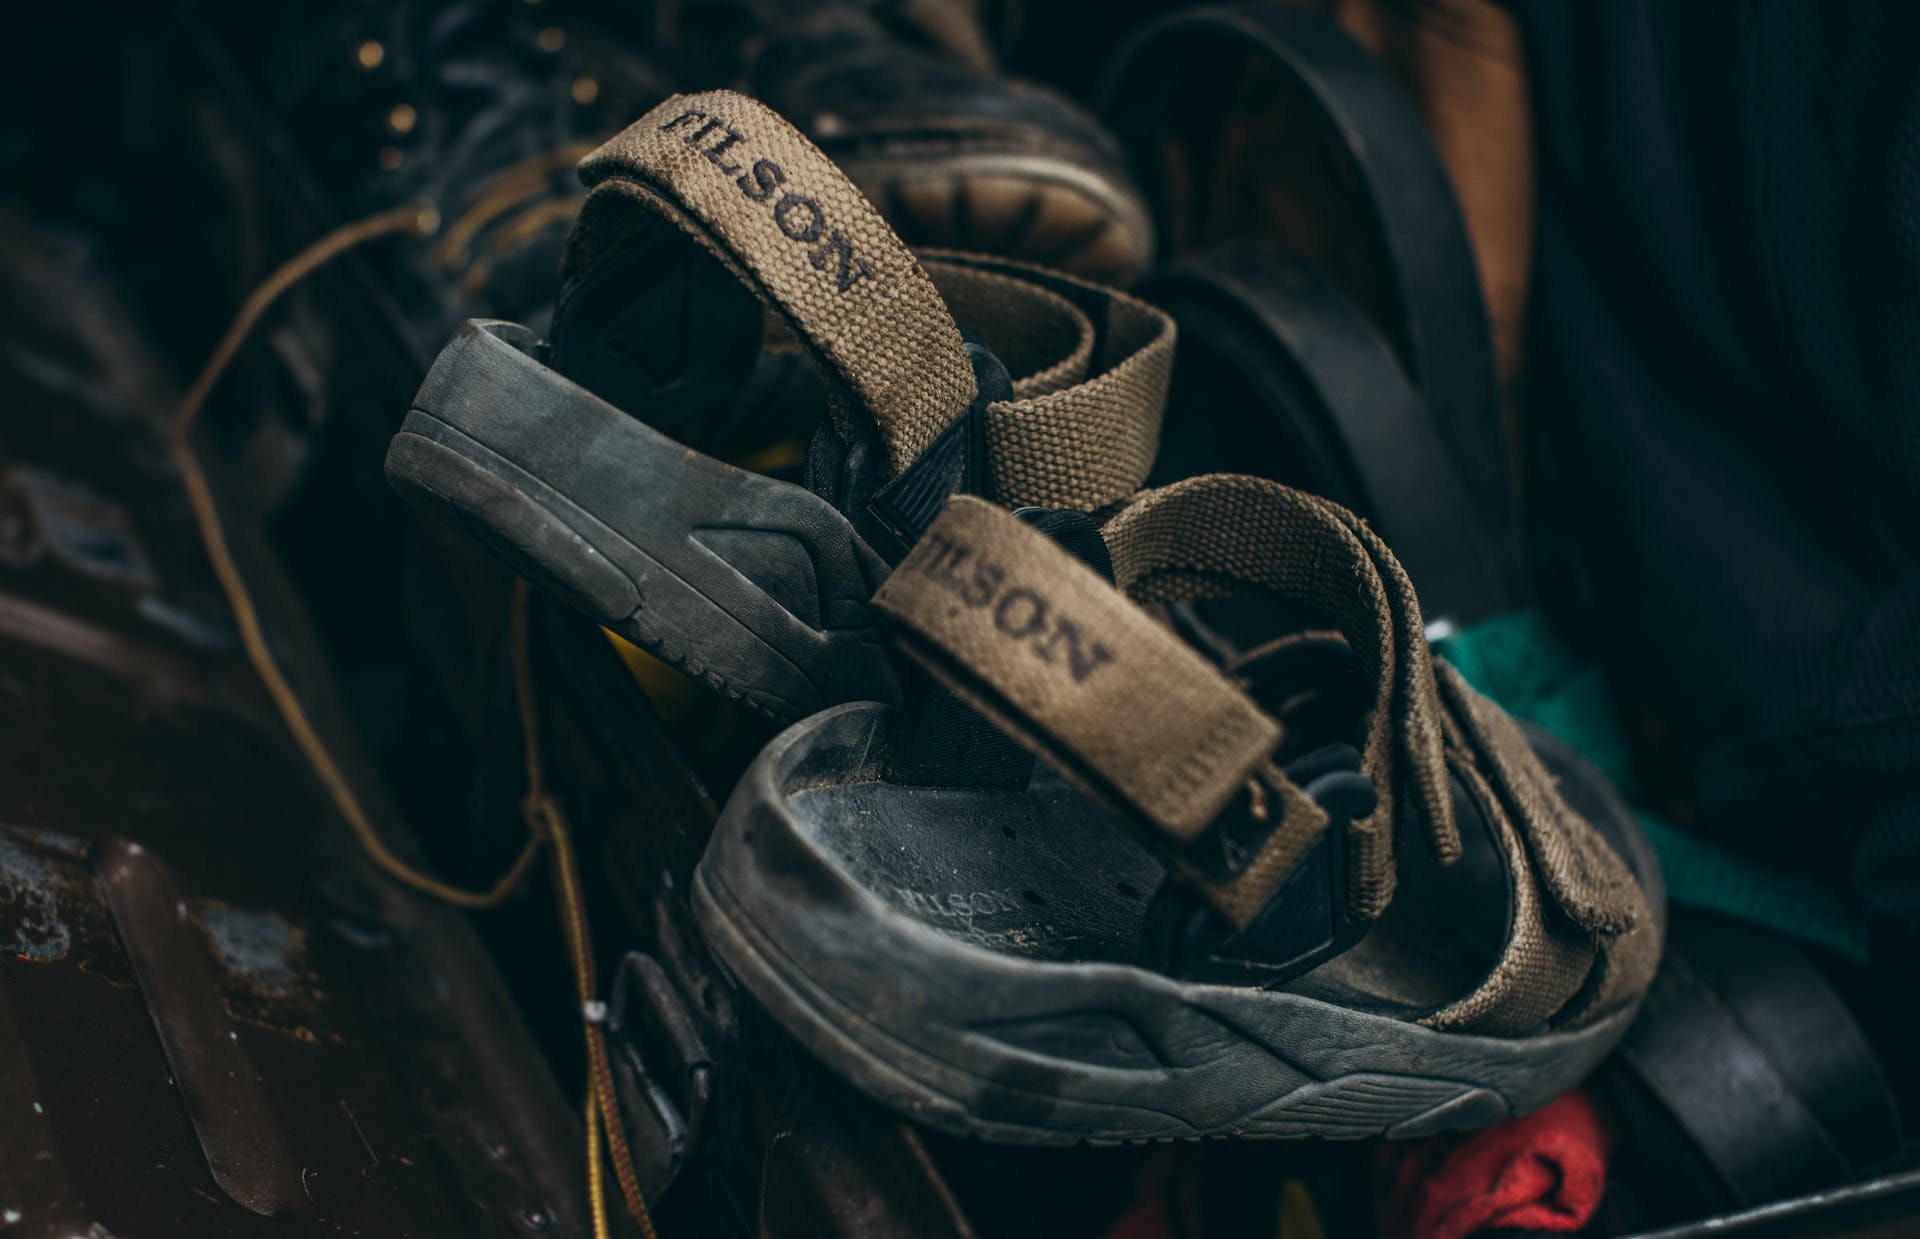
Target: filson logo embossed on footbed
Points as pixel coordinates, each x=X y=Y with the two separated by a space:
x=799 y=218
x=1020 y=613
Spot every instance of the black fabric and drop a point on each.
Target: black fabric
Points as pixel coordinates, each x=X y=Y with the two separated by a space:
x=1724 y=435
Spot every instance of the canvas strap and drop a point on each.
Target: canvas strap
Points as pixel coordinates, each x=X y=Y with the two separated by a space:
x=753 y=190
x=1228 y=536
x=1022 y=629
x=1583 y=938
x=1077 y=671
x=1130 y=712
x=1084 y=423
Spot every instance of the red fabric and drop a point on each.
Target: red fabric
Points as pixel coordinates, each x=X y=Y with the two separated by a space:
x=1166 y=1199
x=1545 y=1171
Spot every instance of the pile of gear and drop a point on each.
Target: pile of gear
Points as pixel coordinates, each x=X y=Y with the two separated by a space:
x=1081 y=548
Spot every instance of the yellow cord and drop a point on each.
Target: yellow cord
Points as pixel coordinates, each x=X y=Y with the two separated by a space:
x=505 y=190
x=421 y=220
x=596 y=1173
x=546 y=824
x=545 y=817
x=514 y=233
x=206 y=515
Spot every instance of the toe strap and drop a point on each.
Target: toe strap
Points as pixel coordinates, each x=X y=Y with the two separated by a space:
x=1082 y=675
x=1583 y=936
x=1075 y=669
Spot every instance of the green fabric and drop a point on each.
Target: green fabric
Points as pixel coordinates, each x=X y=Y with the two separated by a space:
x=1517 y=661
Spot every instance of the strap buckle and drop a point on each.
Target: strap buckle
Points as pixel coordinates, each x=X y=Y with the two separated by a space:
x=662 y=1071
x=1308 y=918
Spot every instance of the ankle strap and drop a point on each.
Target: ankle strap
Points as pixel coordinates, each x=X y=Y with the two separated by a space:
x=752 y=189
x=1224 y=536
x=1090 y=365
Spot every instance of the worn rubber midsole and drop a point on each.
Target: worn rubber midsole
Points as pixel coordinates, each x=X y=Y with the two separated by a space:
x=754 y=585
x=1022 y=1050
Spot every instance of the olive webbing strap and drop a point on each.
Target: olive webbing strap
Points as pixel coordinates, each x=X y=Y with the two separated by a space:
x=1023 y=631
x=1543 y=963
x=1582 y=939
x=1091 y=366
x=1044 y=340
x=1065 y=662
x=754 y=191
x=1082 y=431
x=1226 y=535
x=1599 y=907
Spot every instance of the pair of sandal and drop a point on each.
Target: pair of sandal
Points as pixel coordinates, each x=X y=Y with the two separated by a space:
x=1311 y=886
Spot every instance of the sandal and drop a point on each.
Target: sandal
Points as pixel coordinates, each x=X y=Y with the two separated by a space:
x=1265 y=126
x=568 y=461
x=1350 y=896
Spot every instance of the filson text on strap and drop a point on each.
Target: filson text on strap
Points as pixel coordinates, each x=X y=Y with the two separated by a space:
x=799 y=218
x=1021 y=613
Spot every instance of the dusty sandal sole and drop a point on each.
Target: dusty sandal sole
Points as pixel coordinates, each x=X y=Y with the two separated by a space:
x=756 y=587
x=990 y=1041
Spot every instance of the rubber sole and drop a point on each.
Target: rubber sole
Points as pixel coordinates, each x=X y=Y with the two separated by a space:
x=983 y=1042
x=754 y=586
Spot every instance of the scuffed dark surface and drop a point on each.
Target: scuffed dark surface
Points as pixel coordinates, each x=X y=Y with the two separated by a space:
x=214 y=1021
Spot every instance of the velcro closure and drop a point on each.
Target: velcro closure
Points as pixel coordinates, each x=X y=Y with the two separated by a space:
x=1084 y=427
x=1067 y=664
x=1224 y=535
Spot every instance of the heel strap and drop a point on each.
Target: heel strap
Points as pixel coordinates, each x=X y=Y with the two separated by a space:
x=752 y=189
x=1090 y=365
